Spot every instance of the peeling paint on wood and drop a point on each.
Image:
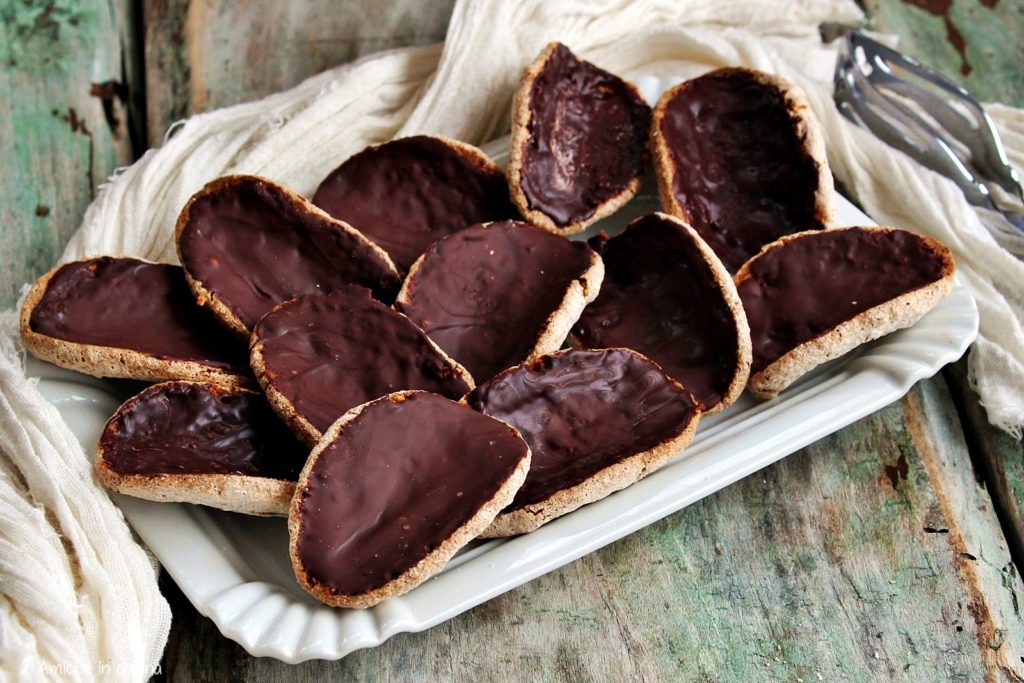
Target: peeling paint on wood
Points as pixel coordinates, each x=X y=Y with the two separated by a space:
x=56 y=144
x=978 y=43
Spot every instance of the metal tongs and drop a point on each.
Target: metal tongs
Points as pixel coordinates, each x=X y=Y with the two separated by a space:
x=927 y=116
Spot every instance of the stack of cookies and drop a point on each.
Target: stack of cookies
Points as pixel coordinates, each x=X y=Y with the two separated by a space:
x=419 y=356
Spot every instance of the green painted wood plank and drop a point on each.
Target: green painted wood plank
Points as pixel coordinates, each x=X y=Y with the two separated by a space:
x=872 y=555
x=204 y=55
x=998 y=457
x=67 y=128
x=991 y=35
x=979 y=43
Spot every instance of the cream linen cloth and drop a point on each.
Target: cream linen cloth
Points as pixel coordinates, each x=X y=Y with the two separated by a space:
x=78 y=591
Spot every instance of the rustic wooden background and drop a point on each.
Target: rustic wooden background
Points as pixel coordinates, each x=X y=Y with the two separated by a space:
x=885 y=552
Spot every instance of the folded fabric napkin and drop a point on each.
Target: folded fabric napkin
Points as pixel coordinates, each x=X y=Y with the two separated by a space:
x=109 y=609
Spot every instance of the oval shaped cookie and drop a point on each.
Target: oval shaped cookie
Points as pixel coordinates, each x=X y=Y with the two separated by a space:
x=666 y=295
x=496 y=294
x=408 y=193
x=320 y=355
x=814 y=296
x=579 y=142
x=191 y=442
x=393 y=490
x=248 y=244
x=595 y=421
x=124 y=317
x=739 y=156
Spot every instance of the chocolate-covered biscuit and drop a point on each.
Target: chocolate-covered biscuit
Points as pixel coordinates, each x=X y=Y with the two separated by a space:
x=739 y=157
x=496 y=294
x=595 y=421
x=393 y=490
x=123 y=317
x=192 y=442
x=248 y=244
x=408 y=193
x=666 y=295
x=579 y=142
x=814 y=296
x=320 y=355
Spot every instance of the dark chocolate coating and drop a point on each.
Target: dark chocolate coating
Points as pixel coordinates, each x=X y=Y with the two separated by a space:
x=196 y=428
x=806 y=287
x=587 y=138
x=253 y=247
x=485 y=293
x=402 y=477
x=125 y=303
x=583 y=411
x=408 y=193
x=659 y=298
x=740 y=171
x=329 y=353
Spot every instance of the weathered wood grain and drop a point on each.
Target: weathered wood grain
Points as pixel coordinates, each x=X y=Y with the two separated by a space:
x=873 y=555
x=998 y=457
x=981 y=45
x=66 y=68
x=202 y=54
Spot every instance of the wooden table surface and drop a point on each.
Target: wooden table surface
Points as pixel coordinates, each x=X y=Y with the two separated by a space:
x=888 y=551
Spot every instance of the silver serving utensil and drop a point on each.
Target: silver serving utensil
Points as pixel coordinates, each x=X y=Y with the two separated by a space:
x=927 y=116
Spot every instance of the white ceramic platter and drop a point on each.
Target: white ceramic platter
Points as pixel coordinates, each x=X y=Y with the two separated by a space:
x=236 y=571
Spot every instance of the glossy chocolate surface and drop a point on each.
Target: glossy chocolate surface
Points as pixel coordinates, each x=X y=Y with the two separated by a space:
x=485 y=294
x=194 y=428
x=582 y=411
x=329 y=353
x=659 y=298
x=407 y=194
x=811 y=284
x=401 y=478
x=125 y=303
x=254 y=247
x=587 y=138
x=740 y=171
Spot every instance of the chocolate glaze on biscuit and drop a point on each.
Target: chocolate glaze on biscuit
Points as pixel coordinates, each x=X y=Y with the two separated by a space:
x=587 y=138
x=125 y=303
x=660 y=298
x=807 y=285
x=328 y=353
x=196 y=428
x=740 y=169
x=253 y=244
x=404 y=475
x=582 y=411
x=408 y=193
x=485 y=294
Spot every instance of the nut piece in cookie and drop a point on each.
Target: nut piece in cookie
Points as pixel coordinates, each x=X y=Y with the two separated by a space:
x=393 y=490
x=248 y=244
x=579 y=142
x=595 y=421
x=739 y=156
x=408 y=193
x=814 y=296
x=667 y=295
x=191 y=442
x=320 y=355
x=123 y=317
x=496 y=294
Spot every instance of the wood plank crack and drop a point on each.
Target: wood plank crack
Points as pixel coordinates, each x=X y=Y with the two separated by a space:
x=988 y=632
